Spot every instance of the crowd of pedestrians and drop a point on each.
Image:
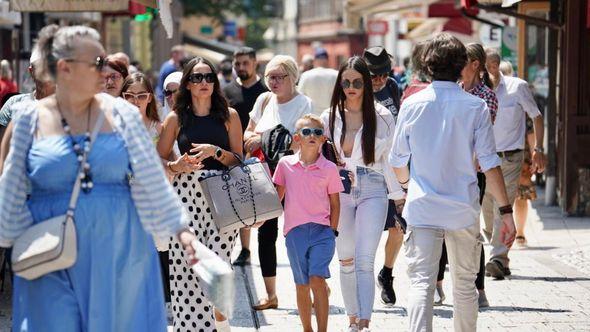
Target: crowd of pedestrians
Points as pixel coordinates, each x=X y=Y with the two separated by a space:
x=357 y=155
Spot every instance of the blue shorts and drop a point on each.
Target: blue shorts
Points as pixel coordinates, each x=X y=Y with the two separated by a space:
x=310 y=248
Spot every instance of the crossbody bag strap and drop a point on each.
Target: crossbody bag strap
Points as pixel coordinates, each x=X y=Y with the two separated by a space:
x=78 y=182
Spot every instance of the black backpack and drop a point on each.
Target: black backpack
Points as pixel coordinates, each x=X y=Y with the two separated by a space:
x=276 y=143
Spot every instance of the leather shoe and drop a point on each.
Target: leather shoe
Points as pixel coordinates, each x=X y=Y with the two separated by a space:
x=267 y=304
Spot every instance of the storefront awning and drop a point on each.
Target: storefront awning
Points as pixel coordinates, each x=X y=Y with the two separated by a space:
x=76 y=6
x=8 y=17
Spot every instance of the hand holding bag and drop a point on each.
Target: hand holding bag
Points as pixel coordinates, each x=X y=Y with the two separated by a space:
x=51 y=245
x=241 y=196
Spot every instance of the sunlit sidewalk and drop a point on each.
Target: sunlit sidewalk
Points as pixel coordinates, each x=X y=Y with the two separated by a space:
x=549 y=289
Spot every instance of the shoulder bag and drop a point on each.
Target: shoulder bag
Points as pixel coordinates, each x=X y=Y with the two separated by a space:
x=50 y=245
x=241 y=195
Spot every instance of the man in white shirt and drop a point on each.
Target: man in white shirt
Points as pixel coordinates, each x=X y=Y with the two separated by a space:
x=442 y=128
x=318 y=83
x=515 y=102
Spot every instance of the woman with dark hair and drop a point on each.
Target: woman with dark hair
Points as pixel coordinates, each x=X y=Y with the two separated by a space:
x=116 y=73
x=475 y=80
x=208 y=133
x=138 y=90
x=362 y=132
x=114 y=284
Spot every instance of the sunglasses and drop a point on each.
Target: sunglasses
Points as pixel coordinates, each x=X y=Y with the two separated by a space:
x=356 y=84
x=169 y=93
x=99 y=63
x=309 y=131
x=132 y=96
x=198 y=78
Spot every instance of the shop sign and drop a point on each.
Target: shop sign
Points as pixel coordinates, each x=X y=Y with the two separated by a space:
x=378 y=28
x=69 y=5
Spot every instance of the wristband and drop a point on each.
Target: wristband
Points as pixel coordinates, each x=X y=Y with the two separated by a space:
x=335 y=232
x=506 y=209
x=402 y=183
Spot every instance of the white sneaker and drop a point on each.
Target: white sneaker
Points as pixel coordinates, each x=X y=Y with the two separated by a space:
x=223 y=326
x=365 y=329
x=353 y=328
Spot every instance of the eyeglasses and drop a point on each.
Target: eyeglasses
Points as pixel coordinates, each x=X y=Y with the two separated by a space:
x=356 y=84
x=169 y=93
x=276 y=78
x=99 y=63
x=113 y=77
x=198 y=78
x=138 y=97
x=309 y=131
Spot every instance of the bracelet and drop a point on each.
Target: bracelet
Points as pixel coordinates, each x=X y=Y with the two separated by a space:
x=506 y=209
x=401 y=183
x=405 y=190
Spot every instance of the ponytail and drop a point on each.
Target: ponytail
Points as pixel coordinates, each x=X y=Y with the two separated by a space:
x=45 y=68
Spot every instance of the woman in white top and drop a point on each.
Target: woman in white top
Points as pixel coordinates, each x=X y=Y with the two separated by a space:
x=282 y=105
x=362 y=132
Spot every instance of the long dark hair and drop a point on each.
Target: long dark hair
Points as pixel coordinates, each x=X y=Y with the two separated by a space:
x=368 y=107
x=152 y=108
x=476 y=52
x=184 y=101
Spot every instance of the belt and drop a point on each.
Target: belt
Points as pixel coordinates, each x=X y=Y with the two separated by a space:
x=504 y=154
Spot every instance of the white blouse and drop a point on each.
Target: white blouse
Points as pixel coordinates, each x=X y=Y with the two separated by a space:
x=383 y=141
x=274 y=113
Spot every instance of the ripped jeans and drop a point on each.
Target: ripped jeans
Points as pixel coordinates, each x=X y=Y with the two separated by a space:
x=362 y=218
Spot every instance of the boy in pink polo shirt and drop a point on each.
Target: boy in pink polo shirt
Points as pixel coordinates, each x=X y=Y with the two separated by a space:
x=310 y=185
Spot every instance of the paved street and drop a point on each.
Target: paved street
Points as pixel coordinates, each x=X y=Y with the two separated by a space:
x=548 y=291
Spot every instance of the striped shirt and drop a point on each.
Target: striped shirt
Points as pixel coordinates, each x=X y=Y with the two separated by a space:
x=158 y=207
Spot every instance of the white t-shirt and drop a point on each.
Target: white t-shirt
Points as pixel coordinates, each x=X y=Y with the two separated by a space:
x=274 y=113
x=318 y=84
x=514 y=100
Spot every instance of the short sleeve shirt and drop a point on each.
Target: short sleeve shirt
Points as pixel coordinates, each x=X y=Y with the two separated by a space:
x=307 y=190
x=274 y=113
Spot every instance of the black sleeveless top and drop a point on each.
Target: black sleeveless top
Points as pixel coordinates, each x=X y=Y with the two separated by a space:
x=203 y=130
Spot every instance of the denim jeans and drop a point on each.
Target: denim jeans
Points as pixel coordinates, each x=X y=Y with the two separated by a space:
x=362 y=218
x=423 y=247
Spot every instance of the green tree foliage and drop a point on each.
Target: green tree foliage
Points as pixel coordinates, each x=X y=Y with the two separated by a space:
x=258 y=13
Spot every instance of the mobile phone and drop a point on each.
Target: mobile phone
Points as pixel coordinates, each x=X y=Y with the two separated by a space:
x=345 y=177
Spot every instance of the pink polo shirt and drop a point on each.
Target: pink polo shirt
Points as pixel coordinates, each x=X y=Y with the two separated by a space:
x=306 y=190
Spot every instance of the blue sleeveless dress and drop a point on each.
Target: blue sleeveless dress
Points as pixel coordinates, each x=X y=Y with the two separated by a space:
x=115 y=284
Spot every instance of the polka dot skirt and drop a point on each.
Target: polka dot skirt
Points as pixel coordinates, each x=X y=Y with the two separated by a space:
x=192 y=311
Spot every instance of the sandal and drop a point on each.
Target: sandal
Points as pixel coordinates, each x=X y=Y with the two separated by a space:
x=267 y=304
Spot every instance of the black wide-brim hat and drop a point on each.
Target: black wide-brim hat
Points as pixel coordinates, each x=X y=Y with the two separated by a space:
x=378 y=60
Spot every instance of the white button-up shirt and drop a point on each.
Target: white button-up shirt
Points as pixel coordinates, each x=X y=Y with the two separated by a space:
x=383 y=140
x=441 y=128
x=514 y=100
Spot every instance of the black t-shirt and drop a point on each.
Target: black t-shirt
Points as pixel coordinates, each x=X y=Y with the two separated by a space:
x=243 y=99
x=389 y=97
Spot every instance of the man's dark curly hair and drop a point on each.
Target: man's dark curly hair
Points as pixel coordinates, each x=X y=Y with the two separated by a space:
x=444 y=57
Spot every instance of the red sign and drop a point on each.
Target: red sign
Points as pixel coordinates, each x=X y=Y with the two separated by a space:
x=379 y=28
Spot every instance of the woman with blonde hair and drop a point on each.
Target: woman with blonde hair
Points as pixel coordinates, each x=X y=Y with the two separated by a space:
x=282 y=105
x=114 y=284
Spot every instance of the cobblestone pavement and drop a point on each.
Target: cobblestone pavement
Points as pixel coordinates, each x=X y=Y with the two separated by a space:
x=549 y=289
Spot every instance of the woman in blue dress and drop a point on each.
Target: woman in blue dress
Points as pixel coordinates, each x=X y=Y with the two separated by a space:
x=115 y=284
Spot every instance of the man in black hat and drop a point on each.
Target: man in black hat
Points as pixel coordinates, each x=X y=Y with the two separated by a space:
x=385 y=89
x=387 y=93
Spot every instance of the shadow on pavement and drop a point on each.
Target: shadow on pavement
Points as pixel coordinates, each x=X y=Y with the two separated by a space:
x=549 y=279
x=523 y=309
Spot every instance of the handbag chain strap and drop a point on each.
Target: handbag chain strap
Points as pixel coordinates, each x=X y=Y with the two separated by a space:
x=80 y=172
x=226 y=178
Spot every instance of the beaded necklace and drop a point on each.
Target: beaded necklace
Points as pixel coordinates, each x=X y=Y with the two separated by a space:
x=85 y=173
